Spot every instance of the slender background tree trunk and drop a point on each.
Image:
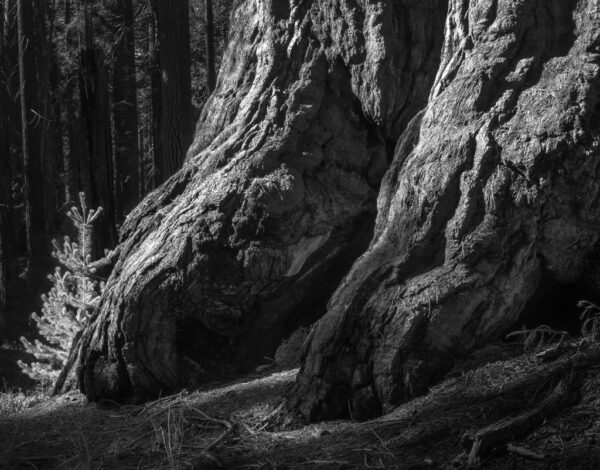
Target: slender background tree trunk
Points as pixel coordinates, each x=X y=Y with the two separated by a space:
x=94 y=96
x=156 y=99
x=210 y=45
x=125 y=115
x=4 y=174
x=71 y=156
x=30 y=121
x=176 y=126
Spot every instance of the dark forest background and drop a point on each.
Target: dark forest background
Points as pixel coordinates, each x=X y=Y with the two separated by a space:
x=98 y=97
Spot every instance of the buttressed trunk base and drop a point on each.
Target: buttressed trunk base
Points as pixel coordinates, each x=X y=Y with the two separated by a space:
x=275 y=201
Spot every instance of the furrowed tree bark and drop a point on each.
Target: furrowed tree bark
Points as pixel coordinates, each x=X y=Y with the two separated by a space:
x=210 y=45
x=276 y=199
x=95 y=110
x=71 y=157
x=492 y=188
x=4 y=172
x=30 y=143
x=176 y=126
x=156 y=101
x=56 y=130
x=4 y=206
x=45 y=118
x=125 y=116
x=3 y=267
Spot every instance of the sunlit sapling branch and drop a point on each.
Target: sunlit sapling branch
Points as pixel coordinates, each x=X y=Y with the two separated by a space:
x=74 y=294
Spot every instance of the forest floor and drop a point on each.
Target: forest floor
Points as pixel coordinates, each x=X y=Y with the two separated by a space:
x=246 y=425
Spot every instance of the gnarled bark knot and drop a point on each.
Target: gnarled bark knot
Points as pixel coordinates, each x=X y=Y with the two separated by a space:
x=492 y=185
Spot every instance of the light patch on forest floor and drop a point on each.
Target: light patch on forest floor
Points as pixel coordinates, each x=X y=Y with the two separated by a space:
x=244 y=425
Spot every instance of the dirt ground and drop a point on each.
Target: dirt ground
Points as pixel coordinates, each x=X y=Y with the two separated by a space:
x=246 y=425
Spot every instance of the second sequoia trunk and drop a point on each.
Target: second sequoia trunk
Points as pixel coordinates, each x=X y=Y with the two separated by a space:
x=276 y=199
x=494 y=187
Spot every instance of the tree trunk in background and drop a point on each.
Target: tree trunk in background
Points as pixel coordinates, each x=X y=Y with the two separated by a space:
x=49 y=97
x=94 y=96
x=156 y=99
x=70 y=156
x=6 y=238
x=5 y=251
x=210 y=46
x=225 y=26
x=3 y=265
x=125 y=116
x=276 y=199
x=61 y=177
x=176 y=126
x=30 y=131
x=4 y=172
x=493 y=188
x=44 y=98
x=10 y=117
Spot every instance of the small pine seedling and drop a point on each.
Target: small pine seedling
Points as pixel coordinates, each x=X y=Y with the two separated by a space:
x=69 y=304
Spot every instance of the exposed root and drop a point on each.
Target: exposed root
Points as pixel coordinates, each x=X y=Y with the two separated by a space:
x=502 y=431
x=563 y=395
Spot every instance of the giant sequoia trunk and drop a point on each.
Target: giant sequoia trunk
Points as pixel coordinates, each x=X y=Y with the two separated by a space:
x=492 y=185
x=277 y=196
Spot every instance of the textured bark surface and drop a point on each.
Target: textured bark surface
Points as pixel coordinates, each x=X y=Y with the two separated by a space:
x=277 y=196
x=175 y=125
x=98 y=155
x=124 y=110
x=209 y=30
x=33 y=183
x=4 y=173
x=492 y=188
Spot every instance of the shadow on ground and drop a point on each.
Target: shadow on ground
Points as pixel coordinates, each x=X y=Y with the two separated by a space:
x=245 y=424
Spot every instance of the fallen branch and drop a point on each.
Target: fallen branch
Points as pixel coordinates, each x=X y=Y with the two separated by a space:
x=219 y=439
x=267 y=419
x=228 y=428
x=524 y=452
